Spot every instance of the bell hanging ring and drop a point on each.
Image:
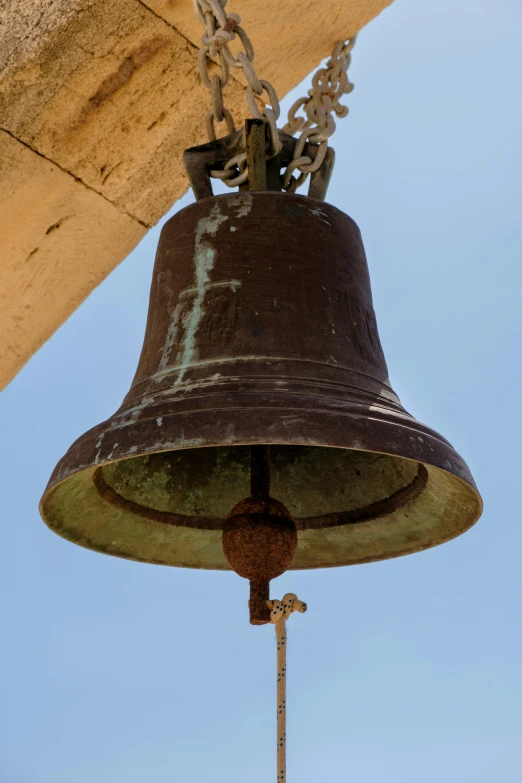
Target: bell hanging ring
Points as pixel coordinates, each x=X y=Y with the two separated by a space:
x=260 y=331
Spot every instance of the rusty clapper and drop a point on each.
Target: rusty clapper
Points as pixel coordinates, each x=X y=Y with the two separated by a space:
x=260 y=332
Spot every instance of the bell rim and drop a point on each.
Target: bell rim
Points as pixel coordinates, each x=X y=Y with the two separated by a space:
x=471 y=522
x=453 y=477
x=467 y=480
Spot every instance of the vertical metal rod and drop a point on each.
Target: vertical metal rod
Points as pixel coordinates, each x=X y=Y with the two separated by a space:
x=255 y=139
x=260 y=471
x=258 y=603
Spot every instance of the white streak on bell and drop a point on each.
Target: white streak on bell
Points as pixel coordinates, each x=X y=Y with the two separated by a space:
x=204 y=258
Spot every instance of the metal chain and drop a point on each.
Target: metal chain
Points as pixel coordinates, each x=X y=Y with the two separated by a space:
x=329 y=84
x=220 y=29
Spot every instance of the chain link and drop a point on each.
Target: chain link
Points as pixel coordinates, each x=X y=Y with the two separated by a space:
x=316 y=123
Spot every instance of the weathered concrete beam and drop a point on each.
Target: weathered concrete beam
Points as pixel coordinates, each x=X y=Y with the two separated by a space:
x=98 y=100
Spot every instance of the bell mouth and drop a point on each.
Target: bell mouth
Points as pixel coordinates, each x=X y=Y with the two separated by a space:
x=323 y=487
x=350 y=505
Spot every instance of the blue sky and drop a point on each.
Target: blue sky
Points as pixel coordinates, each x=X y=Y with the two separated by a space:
x=408 y=670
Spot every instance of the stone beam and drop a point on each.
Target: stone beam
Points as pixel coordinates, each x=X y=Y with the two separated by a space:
x=98 y=100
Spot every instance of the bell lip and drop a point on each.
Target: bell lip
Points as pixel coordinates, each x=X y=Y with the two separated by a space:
x=416 y=549
x=463 y=475
x=52 y=485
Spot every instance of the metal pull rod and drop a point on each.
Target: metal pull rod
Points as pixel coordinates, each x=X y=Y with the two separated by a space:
x=260 y=471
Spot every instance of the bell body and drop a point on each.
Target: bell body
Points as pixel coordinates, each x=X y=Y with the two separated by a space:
x=261 y=330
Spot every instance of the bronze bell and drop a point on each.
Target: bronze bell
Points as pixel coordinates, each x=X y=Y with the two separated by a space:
x=261 y=330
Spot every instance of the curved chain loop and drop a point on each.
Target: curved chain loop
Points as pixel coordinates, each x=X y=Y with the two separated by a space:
x=229 y=174
x=211 y=120
x=276 y=145
x=251 y=75
x=204 y=73
x=235 y=62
